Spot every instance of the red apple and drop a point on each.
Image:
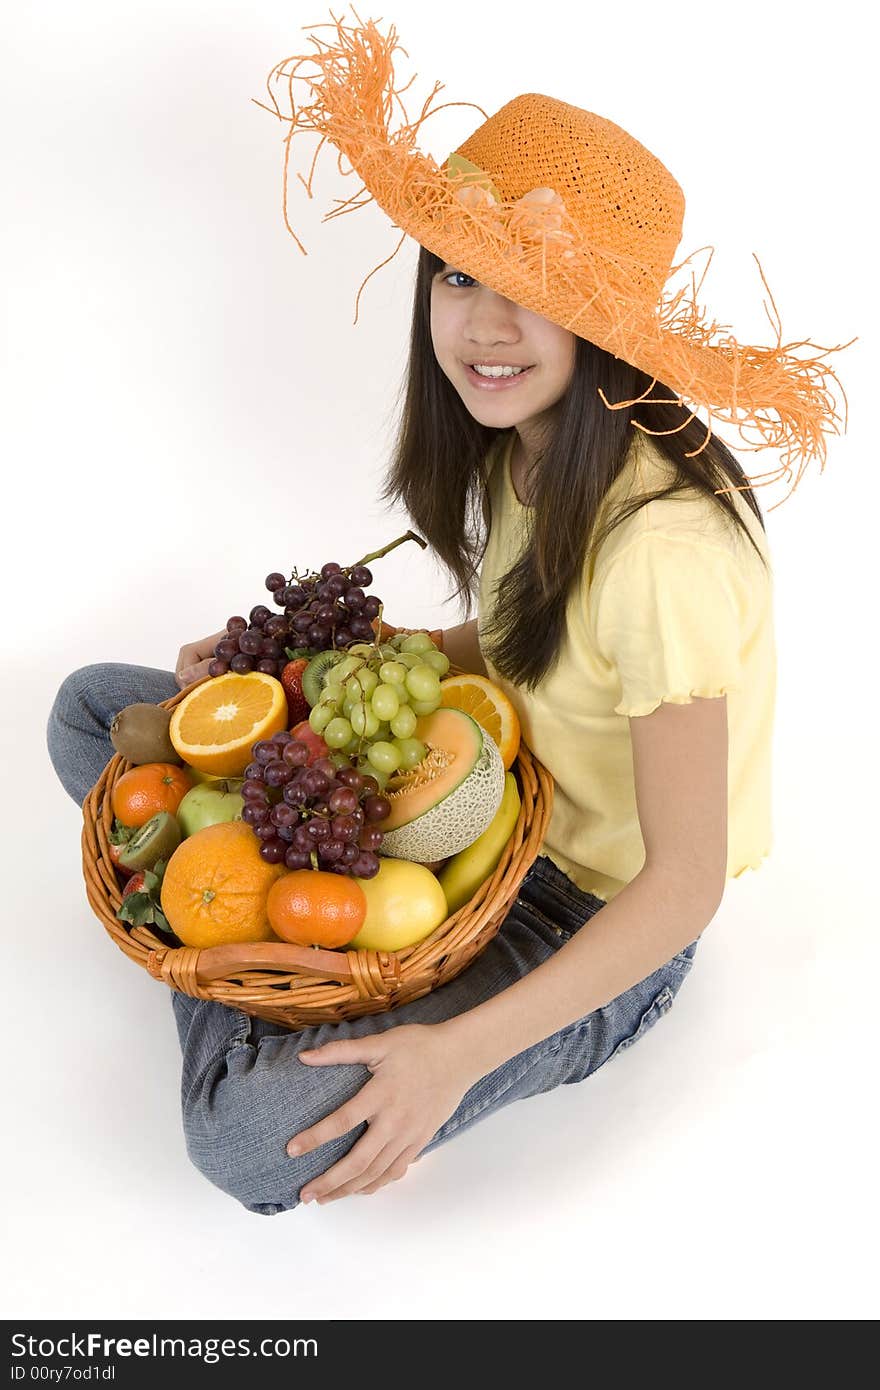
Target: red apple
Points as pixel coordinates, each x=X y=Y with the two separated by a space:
x=314 y=742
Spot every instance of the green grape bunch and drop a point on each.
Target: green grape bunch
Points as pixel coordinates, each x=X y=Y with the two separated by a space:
x=372 y=699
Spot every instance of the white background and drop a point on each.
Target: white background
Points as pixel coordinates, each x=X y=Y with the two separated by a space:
x=189 y=406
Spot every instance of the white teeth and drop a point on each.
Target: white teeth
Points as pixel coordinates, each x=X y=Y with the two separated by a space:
x=497 y=371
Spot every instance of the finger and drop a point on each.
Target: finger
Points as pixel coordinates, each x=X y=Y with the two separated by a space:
x=346 y=1118
x=186 y=660
x=188 y=674
x=368 y=1049
x=193 y=653
x=352 y=1172
x=351 y=1168
x=205 y=648
x=188 y=655
x=193 y=673
x=392 y=1174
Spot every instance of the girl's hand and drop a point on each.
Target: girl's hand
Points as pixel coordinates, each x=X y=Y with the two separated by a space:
x=417 y=1084
x=194 y=659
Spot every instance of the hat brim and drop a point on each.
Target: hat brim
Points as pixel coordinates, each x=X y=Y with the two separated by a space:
x=545 y=265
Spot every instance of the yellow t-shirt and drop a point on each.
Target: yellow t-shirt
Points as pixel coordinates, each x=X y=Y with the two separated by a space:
x=675 y=604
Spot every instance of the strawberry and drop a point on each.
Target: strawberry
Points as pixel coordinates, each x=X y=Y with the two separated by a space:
x=118 y=839
x=298 y=707
x=115 y=851
x=141 y=898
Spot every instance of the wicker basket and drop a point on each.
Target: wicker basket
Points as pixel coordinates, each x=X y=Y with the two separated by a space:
x=298 y=986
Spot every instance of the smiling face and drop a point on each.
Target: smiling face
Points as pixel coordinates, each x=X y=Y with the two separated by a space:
x=470 y=323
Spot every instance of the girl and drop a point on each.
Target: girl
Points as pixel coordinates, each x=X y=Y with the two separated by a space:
x=624 y=602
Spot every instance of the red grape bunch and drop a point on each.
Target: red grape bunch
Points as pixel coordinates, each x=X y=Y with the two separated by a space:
x=312 y=816
x=323 y=610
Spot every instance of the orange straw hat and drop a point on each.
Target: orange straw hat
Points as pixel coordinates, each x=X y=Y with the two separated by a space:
x=564 y=213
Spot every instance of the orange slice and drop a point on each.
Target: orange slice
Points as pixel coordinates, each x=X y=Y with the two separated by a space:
x=488 y=704
x=214 y=728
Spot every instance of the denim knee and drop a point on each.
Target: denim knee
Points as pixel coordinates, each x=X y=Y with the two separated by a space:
x=237 y=1129
x=77 y=684
x=68 y=698
x=76 y=737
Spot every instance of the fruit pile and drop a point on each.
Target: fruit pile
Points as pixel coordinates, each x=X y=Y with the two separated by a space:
x=189 y=838
x=346 y=791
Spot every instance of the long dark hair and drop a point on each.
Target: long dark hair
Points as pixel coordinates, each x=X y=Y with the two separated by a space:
x=438 y=472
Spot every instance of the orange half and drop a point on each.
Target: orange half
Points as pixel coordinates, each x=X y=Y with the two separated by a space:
x=214 y=728
x=488 y=704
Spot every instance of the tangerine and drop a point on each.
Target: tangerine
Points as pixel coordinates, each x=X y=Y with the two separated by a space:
x=311 y=907
x=215 y=887
x=143 y=791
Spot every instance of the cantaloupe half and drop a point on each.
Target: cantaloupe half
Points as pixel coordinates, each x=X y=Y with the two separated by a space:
x=448 y=799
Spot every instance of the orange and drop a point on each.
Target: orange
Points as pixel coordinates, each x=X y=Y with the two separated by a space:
x=488 y=704
x=314 y=908
x=216 y=725
x=144 y=791
x=215 y=887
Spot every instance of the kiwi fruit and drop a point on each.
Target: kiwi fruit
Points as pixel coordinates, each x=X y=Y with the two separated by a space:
x=315 y=674
x=157 y=839
x=141 y=734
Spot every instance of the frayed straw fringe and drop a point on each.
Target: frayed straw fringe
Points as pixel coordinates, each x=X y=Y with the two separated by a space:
x=618 y=302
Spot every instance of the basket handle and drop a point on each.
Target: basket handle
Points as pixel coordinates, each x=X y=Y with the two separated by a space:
x=373 y=974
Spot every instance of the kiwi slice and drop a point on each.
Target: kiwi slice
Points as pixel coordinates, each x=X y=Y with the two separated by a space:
x=141 y=734
x=315 y=674
x=157 y=839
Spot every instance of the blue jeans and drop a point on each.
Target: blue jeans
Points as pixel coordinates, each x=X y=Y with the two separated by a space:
x=243 y=1094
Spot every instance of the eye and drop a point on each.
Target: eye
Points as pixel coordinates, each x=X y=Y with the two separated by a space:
x=448 y=277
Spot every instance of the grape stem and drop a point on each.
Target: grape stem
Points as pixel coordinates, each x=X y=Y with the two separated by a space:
x=296 y=577
x=377 y=554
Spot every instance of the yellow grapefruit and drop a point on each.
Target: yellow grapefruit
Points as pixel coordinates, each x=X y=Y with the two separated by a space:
x=214 y=727
x=404 y=905
x=487 y=703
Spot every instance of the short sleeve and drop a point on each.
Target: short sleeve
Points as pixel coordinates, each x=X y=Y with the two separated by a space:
x=665 y=615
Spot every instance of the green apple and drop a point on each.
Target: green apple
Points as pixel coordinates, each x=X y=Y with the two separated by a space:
x=209 y=803
x=211 y=779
